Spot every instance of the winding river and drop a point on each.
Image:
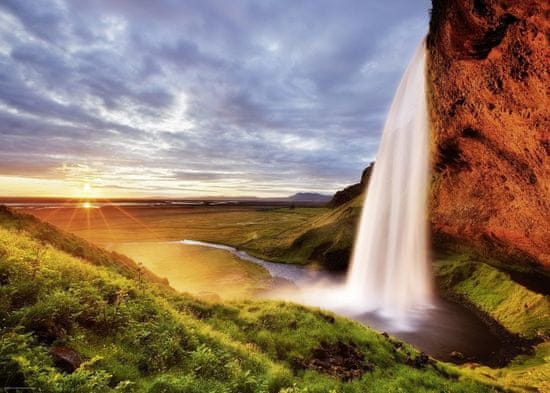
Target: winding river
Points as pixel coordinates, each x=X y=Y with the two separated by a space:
x=446 y=331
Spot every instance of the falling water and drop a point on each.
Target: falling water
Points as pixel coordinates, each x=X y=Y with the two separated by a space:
x=390 y=267
x=389 y=282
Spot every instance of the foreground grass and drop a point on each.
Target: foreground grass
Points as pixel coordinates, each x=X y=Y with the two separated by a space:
x=135 y=335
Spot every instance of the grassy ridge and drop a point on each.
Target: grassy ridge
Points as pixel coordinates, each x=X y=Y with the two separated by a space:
x=46 y=234
x=135 y=335
x=326 y=239
x=513 y=307
x=516 y=308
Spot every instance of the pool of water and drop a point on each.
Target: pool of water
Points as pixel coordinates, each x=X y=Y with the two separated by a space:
x=447 y=331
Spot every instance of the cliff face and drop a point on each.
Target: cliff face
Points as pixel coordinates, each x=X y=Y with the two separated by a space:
x=353 y=191
x=489 y=78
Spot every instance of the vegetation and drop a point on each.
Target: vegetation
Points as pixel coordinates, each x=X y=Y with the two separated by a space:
x=127 y=333
x=258 y=228
x=492 y=291
x=511 y=306
x=526 y=373
x=46 y=234
x=326 y=239
x=300 y=235
x=203 y=271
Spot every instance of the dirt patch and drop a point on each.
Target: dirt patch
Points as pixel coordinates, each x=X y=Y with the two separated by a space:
x=341 y=360
x=66 y=359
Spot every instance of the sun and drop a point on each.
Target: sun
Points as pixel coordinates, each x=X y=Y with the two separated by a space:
x=86 y=190
x=86 y=205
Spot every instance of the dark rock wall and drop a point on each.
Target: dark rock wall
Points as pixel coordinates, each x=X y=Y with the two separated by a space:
x=489 y=82
x=353 y=191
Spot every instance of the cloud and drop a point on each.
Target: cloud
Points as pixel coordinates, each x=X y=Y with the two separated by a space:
x=251 y=97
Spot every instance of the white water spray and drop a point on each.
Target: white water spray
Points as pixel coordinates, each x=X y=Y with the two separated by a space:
x=390 y=269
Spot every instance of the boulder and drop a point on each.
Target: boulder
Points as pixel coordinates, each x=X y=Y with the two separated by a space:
x=66 y=359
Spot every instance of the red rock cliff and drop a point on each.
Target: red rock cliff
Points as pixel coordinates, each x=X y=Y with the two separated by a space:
x=490 y=109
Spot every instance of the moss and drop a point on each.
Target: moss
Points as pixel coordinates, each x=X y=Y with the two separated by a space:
x=516 y=308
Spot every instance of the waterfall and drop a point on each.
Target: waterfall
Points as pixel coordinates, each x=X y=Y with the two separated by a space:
x=390 y=275
x=390 y=268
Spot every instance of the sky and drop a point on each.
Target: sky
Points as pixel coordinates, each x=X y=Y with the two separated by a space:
x=188 y=98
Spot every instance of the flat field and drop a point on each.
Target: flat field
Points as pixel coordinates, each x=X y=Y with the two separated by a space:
x=251 y=228
x=146 y=234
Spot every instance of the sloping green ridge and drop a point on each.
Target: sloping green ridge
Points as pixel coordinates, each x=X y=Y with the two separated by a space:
x=47 y=234
x=140 y=336
x=513 y=307
x=326 y=240
x=516 y=308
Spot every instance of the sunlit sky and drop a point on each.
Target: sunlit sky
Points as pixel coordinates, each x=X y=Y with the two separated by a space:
x=140 y=98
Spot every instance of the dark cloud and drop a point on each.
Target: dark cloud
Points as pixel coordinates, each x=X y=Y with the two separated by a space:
x=204 y=95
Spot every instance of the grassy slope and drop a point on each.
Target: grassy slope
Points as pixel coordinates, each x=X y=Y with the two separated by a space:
x=142 y=336
x=526 y=373
x=514 y=307
x=325 y=238
x=45 y=233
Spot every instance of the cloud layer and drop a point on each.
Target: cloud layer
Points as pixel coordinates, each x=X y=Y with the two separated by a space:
x=196 y=97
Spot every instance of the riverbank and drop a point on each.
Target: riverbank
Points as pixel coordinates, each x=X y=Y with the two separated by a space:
x=236 y=227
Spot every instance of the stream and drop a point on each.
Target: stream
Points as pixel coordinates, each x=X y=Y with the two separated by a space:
x=448 y=331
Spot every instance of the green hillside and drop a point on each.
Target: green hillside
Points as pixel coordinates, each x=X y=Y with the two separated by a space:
x=75 y=318
x=324 y=238
x=327 y=239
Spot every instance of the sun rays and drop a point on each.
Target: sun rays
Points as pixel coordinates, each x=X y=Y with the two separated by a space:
x=89 y=214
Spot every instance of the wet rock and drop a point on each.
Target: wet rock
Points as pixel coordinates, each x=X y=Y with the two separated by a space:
x=66 y=359
x=457 y=356
x=420 y=361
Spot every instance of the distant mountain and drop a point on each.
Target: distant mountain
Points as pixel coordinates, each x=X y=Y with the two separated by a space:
x=309 y=197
